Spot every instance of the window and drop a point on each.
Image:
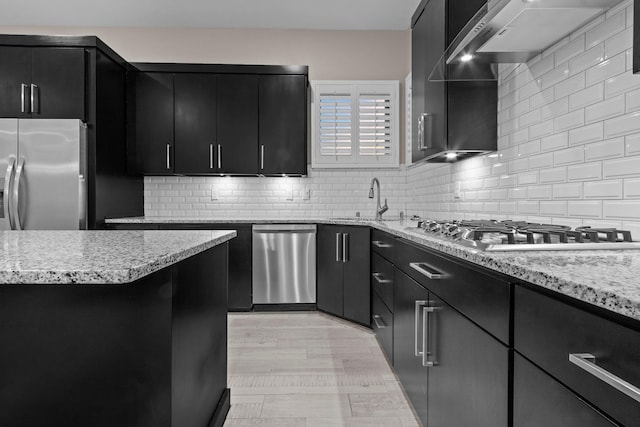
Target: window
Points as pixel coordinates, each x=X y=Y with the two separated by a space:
x=355 y=124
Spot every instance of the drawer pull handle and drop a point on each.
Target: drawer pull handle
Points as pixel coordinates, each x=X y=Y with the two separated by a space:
x=426 y=270
x=378 y=321
x=587 y=362
x=381 y=244
x=380 y=280
x=426 y=338
x=416 y=320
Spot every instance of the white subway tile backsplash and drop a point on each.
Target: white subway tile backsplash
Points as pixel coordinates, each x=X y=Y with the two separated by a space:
x=570 y=50
x=623 y=125
x=587 y=96
x=554 y=142
x=553 y=208
x=593 y=56
x=603 y=110
x=541 y=161
x=517 y=193
x=621 y=209
x=540 y=192
x=611 y=26
x=632 y=144
x=567 y=191
x=585 y=208
x=569 y=121
x=570 y=85
x=618 y=43
x=621 y=83
x=526 y=207
x=608 y=149
x=632 y=188
x=633 y=101
x=568 y=156
x=585 y=172
x=519 y=165
x=541 y=129
x=586 y=134
x=553 y=175
x=541 y=98
x=621 y=167
x=603 y=189
x=529 y=148
x=508 y=207
x=528 y=178
x=606 y=69
x=529 y=118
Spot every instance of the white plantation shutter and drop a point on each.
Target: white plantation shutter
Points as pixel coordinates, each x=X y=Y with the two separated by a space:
x=336 y=121
x=355 y=124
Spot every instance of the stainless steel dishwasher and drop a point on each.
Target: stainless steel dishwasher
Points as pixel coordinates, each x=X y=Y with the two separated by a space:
x=284 y=264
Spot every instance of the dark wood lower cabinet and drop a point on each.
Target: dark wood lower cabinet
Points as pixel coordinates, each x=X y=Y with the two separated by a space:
x=152 y=353
x=540 y=400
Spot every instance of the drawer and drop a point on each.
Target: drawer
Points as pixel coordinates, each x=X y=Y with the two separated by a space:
x=539 y=400
x=552 y=334
x=382 y=279
x=483 y=298
x=383 y=243
x=382 y=324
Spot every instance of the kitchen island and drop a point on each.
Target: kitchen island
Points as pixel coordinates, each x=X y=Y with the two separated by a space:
x=108 y=328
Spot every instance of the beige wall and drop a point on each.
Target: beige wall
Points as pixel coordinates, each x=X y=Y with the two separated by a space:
x=330 y=55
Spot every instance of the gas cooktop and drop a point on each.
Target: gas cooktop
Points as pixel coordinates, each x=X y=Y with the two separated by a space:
x=490 y=235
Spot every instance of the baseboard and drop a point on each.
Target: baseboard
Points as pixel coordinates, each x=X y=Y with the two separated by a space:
x=285 y=307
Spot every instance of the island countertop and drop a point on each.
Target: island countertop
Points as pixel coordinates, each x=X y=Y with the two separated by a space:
x=97 y=256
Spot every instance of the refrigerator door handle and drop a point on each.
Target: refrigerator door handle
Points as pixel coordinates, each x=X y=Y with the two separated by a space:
x=8 y=177
x=16 y=195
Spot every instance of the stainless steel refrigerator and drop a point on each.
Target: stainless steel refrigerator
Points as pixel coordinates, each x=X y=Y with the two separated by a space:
x=43 y=181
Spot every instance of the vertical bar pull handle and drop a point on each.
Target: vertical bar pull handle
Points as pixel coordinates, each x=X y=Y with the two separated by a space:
x=16 y=195
x=35 y=98
x=219 y=156
x=210 y=156
x=7 y=194
x=345 y=247
x=23 y=97
x=426 y=338
x=423 y=130
x=262 y=157
x=419 y=304
x=168 y=156
x=338 y=247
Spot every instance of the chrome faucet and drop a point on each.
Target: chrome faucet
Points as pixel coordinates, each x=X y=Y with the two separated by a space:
x=379 y=209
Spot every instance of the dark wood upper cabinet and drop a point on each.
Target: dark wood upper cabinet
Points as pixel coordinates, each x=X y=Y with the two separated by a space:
x=195 y=104
x=238 y=123
x=151 y=118
x=42 y=82
x=282 y=124
x=228 y=119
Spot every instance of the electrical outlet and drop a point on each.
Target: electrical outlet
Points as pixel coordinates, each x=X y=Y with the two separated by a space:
x=307 y=194
x=457 y=192
x=290 y=194
x=214 y=193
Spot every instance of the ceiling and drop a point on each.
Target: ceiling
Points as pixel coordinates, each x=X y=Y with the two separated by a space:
x=273 y=14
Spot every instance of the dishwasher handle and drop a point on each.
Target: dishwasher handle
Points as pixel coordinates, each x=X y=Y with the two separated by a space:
x=284 y=228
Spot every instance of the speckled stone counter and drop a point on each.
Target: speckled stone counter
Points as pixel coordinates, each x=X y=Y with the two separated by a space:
x=606 y=278
x=97 y=257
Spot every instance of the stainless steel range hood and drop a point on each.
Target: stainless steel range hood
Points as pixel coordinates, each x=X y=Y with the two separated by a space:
x=512 y=31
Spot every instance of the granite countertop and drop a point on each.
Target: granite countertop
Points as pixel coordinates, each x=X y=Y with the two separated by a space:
x=605 y=278
x=97 y=256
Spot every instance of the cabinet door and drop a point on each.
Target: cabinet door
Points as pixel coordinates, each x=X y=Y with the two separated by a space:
x=153 y=121
x=59 y=74
x=435 y=136
x=237 y=118
x=195 y=123
x=469 y=382
x=330 y=295
x=15 y=71
x=356 y=273
x=407 y=339
x=418 y=81
x=539 y=400
x=283 y=119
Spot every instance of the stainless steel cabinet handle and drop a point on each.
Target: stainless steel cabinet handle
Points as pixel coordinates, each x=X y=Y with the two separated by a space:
x=587 y=362
x=380 y=244
x=379 y=278
x=422 y=143
x=210 y=156
x=345 y=247
x=23 y=97
x=15 y=204
x=219 y=156
x=426 y=338
x=426 y=270
x=338 y=247
x=261 y=157
x=8 y=176
x=378 y=321
x=35 y=101
x=419 y=304
x=168 y=156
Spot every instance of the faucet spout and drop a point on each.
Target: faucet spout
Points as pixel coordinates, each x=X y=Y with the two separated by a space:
x=379 y=209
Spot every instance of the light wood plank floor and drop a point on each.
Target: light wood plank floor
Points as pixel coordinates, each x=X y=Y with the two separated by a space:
x=309 y=369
